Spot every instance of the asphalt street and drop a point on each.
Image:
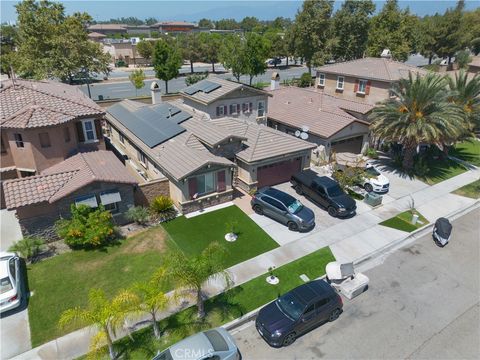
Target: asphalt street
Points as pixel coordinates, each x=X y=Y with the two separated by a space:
x=125 y=89
x=422 y=303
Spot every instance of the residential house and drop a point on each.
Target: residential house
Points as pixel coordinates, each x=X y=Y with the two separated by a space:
x=120 y=29
x=219 y=98
x=97 y=37
x=125 y=50
x=474 y=65
x=172 y=27
x=339 y=125
x=90 y=178
x=367 y=80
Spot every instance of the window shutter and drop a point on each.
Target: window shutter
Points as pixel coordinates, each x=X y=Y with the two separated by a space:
x=80 y=135
x=192 y=187
x=355 y=88
x=225 y=110
x=238 y=108
x=250 y=107
x=367 y=88
x=98 y=129
x=221 y=186
x=218 y=110
x=232 y=109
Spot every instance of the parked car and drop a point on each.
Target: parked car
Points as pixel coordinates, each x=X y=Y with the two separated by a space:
x=298 y=311
x=324 y=191
x=275 y=61
x=10 y=281
x=215 y=344
x=284 y=208
x=375 y=180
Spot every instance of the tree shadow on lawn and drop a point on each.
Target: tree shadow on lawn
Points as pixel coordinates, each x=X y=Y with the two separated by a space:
x=466 y=155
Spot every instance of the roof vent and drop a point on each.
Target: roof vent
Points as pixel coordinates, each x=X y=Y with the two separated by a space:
x=386 y=54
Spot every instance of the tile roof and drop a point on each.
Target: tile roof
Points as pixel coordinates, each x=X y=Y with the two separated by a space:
x=66 y=177
x=107 y=27
x=372 y=68
x=31 y=104
x=262 y=142
x=325 y=115
x=173 y=23
x=96 y=35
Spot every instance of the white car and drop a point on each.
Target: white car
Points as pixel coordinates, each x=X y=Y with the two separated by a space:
x=10 y=289
x=376 y=181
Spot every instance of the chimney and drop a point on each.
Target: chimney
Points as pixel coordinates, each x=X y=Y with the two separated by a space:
x=156 y=93
x=275 y=82
x=386 y=54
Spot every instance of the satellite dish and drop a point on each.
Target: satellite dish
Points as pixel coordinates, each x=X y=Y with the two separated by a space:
x=297 y=133
x=304 y=135
x=305 y=128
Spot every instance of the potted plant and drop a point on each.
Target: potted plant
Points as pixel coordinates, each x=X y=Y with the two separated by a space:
x=231 y=228
x=271 y=278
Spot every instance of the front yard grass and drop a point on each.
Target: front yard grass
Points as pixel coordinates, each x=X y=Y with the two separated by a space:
x=468 y=150
x=403 y=221
x=195 y=234
x=471 y=190
x=224 y=307
x=440 y=170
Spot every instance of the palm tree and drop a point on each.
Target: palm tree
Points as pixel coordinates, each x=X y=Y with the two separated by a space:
x=466 y=93
x=107 y=315
x=194 y=271
x=418 y=113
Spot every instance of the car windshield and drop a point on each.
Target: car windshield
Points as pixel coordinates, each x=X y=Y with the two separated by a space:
x=290 y=306
x=295 y=207
x=5 y=285
x=335 y=191
x=372 y=171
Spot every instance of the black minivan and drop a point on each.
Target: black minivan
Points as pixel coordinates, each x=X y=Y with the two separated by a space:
x=297 y=312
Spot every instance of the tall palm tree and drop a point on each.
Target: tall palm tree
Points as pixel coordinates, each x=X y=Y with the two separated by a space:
x=193 y=272
x=418 y=113
x=466 y=93
x=107 y=315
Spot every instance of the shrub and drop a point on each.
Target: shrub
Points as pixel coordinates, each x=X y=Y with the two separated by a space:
x=88 y=228
x=194 y=78
x=420 y=167
x=161 y=204
x=138 y=214
x=305 y=80
x=28 y=247
x=371 y=153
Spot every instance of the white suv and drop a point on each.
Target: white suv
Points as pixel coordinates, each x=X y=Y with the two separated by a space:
x=10 y=289
x=376 y=181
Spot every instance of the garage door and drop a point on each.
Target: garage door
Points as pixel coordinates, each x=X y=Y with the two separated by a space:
x=278 y=172
x=352 y=145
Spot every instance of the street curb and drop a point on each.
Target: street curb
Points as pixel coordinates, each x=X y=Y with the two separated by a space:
x=386 y=250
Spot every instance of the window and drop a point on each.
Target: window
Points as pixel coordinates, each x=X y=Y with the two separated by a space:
x=274 y=203
x=221 y=110
x=309 y=309
x=322 y=303
x=261 y=108
x=89 y=130
x=234 y=109
x=142 y=158
x=13 y=268
x=113 y=208
x=321 y=79
x=19 y=140
x=66 y=134
x=362 y=86
x=340 y=82
x=3 y=148
x=88 y=200
x=245 y=108
x=121 y=138
x=205 y=183
x=44 y=140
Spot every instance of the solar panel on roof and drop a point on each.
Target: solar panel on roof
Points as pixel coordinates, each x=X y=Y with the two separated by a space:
x=204 y=86
x=211 y=87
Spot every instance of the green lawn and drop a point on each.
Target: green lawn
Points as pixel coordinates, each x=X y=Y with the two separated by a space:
x=403 y=222
x=471 y=190
x=225 y=307
x=440 y=170
x=468 y=151
x=194 y=234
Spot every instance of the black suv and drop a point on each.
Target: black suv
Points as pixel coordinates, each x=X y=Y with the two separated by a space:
x=297 y=312
x=325 y=192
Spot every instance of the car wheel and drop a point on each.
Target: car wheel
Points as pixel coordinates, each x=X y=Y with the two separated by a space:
x=299 y=190
x=258 y=209
x=292 y=226
x=334 y=315
x=289 y=339
x=332 y=211
x=368 y=187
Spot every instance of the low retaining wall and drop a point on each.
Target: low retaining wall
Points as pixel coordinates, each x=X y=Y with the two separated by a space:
x=203 y=203
x=146 y=192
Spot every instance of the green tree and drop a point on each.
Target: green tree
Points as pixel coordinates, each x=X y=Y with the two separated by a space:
x=470 y=28
x=145 y=49
x=193 y=272
x=430 y=28
x=8 y=35
x=28 y=248
x=191 y=49
x=450 y=36
x=166 y=61
x=254 y=53
x=210 y=45
x=466 y=94
x=278 y=45
x=249 y=23
x=206 y=24
x=392 y=29
x=313 y=32
x=107 y=315
x=137 y=78
x=419 y=113
x=463 y=58
x=231 y=55
x=227 y=24
x=281 y=23
x=51 y=44
x=350 y=29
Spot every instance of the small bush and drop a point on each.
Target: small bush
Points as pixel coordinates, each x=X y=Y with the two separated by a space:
x=371 y=153
x=305 y=80
x=161 y=204
x=194 y=78
x=138 y=214
x=28 y=247
x=420 y=167
x=88 y=228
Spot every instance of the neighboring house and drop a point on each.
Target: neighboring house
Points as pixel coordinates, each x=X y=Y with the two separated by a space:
x=367 y=80
x=108 y=29
x=219 y=98
x=339 y=125
x=474 y=65
x=97 y=37
x=123 y=49
x=42 y=123
x=173 y=27
x=91 y=178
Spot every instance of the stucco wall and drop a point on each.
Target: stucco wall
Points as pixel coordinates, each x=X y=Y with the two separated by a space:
x=146 y=192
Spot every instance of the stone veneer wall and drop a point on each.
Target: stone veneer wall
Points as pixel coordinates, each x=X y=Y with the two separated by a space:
x=148 y=191
x=206 y=201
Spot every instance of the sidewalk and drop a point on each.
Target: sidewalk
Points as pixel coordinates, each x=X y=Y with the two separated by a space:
x=348 y=241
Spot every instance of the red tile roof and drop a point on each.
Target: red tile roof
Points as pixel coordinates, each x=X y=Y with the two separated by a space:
x=66 y=177
x=32 y=104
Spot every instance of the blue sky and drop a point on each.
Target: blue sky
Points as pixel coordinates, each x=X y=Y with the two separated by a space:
x=193 y=10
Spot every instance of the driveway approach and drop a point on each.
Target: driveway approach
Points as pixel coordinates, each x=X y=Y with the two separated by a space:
x=423 y=302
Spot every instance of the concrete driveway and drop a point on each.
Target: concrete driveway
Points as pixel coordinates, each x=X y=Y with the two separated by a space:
x=10 y=229
x=423 y=303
